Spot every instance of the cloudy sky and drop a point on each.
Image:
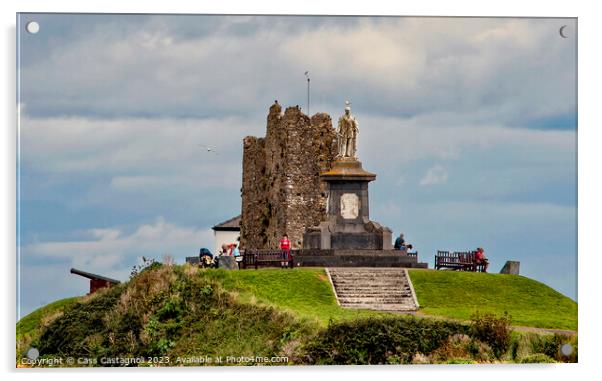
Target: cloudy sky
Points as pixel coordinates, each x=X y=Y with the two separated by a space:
x=470 y=125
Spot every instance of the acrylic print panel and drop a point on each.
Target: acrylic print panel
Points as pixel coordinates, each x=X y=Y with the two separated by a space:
x=181 y=180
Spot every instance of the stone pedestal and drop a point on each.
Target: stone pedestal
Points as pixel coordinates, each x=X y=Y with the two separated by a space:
x=348 y=224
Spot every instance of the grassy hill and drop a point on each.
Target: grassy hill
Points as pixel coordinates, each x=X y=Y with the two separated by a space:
x=184 y=311
x=305 y=293
x=30 y=326
x=459 y=295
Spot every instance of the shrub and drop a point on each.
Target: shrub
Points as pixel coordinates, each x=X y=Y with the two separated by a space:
x=537 y=358
x=550 y=346
x=493 y=331
x=147 y=264
x=379 y=340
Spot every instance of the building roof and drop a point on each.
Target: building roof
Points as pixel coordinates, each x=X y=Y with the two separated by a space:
x=233 y=224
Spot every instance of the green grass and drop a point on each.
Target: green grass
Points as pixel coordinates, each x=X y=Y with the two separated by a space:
x=306 y=293
x=459 y=295
x=32 y=322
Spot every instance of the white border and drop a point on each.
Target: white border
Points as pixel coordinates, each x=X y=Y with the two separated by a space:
x=589 y=157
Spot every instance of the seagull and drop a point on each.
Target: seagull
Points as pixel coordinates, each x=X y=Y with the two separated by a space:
x=209 y=149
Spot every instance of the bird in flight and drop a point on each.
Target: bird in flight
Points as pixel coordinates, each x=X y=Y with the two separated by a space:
x=208 y=149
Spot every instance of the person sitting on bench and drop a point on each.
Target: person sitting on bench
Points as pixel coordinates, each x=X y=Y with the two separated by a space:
x=481 y=259
x=399 y=243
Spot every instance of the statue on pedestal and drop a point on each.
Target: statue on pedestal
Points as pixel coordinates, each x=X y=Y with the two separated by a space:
x=347 y=132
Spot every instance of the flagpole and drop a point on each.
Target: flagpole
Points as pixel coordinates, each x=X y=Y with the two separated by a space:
x=307 y=75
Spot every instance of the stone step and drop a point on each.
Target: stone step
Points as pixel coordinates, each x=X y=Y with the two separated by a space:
x=383 y=307
x=349 y=295
x=391 y=274
x=367 y=283
x=369 y=269
x=369 y=273
x=384 y=289
x=357 y=273
x=371 y=300
x=359 y=277
x=371 y=290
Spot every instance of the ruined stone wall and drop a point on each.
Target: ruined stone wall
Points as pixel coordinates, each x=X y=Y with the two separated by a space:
x=254 y=217
x=282 y=191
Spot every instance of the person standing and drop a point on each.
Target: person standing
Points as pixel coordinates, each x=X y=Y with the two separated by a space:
x=236 y=253
x=285 y=247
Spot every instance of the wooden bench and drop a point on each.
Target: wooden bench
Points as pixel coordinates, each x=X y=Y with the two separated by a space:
x=458 y=260
x=412 y=254
x=265 y=258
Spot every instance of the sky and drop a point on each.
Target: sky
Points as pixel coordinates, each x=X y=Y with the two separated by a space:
x=469 y=123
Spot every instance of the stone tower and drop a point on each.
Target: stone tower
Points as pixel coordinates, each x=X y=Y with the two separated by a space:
x=282 y=191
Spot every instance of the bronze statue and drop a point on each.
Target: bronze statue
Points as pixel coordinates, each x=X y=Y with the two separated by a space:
x=347 y=132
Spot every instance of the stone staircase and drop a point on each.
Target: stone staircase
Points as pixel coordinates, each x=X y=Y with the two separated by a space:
x=373 y=288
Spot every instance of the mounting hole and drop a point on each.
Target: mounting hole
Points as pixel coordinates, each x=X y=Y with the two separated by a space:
x=32 y=27
x=566 y=349
x=33 y=354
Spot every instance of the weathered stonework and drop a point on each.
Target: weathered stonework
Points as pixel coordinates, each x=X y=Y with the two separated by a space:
x=281 y=187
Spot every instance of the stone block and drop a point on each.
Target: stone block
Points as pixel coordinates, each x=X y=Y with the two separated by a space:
x=511 y=267
x=227 y=263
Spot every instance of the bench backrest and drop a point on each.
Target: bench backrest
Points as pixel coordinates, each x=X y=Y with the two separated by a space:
x=455 y=257
x=250 y=256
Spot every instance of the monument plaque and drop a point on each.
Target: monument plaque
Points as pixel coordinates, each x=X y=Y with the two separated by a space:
x=350 y=206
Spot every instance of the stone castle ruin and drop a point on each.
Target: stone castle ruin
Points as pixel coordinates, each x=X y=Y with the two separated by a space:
x=281 y=187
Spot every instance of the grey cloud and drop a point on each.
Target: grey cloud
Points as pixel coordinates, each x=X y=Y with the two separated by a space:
x=494 y=69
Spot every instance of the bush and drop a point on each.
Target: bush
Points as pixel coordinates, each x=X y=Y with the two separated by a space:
x=493 y=331
x=379 y=340
x=550 y=346
x=162 y=311
x=148 y=264
x=537 y=358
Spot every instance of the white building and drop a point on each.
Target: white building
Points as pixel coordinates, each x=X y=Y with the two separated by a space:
x=226 y=233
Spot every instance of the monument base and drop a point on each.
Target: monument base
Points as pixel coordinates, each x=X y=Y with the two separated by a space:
x=356 y=258
x=347 y=225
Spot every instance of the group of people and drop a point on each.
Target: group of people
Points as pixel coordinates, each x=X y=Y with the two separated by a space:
x=208 y=260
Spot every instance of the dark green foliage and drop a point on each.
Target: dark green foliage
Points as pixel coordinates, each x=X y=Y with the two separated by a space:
x=379 y=340
x=72 y=332
x=550 y=346
x=493 y=331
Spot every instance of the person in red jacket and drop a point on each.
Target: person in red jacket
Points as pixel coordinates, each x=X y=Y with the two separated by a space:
x=285 y=246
